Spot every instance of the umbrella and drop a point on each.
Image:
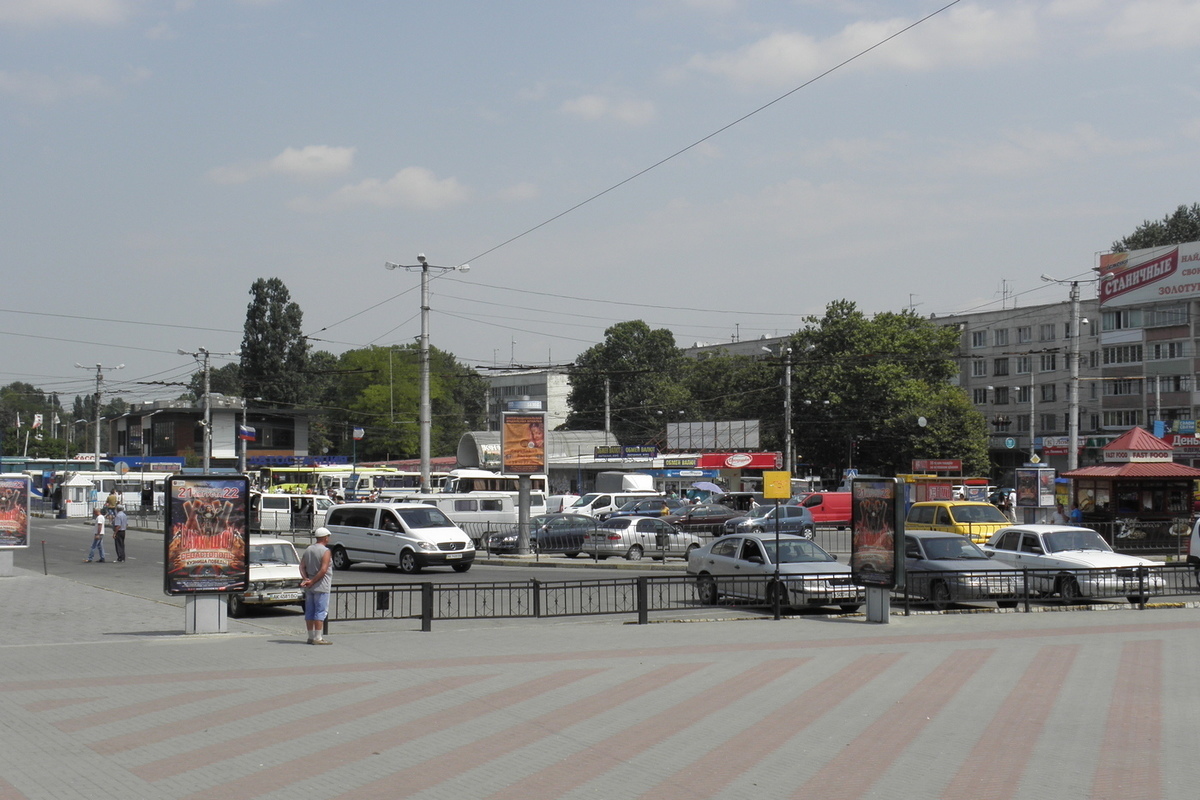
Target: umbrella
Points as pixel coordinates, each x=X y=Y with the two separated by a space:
x=708 y=486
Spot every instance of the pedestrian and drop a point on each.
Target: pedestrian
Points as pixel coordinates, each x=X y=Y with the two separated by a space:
x=316 y=569
x=1076 y=514
x=110 y=503
x=120 y=525
x=1060 y=514
x=97 y=535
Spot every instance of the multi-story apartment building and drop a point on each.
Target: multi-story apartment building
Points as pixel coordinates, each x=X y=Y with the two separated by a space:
x=1015 y=367
x=550 y=386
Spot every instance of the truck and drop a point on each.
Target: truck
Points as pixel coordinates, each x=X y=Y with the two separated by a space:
x=624 y=482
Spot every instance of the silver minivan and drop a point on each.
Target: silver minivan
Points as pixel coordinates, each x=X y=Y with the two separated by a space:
x=407 y=537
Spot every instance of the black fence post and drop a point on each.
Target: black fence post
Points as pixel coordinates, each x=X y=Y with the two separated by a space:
x=1025 y=588
x=426 y=607
x=643 y=600
x=536 y=585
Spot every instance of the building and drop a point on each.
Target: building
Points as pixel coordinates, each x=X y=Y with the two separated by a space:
x=550 y=386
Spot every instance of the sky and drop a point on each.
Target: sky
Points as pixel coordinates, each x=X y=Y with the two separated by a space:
x=720 y=168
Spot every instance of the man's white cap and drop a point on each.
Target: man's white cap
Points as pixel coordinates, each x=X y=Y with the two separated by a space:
x=321 y=533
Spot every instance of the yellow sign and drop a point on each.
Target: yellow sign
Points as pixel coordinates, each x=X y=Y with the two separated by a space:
x=777 y=485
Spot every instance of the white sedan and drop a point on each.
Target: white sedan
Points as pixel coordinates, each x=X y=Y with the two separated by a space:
x=742 y=567
x=1074 y=562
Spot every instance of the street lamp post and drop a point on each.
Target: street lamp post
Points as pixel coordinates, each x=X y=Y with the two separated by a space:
x=99 y=392
x=785 y=355
x=204 y=357
x=425 y=414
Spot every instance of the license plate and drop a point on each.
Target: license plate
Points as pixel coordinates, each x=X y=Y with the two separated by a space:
x=282 y=596
x=453 y=555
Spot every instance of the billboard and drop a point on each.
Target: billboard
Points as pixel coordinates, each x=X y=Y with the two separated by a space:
x=1155 y=274
x=14 y=511
x=207 y=544
x=1035 y=487
x=523 y=443
x=876 y=532
x=697 y=436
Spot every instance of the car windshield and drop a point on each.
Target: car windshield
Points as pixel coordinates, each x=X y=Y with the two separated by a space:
x=584 y=501
x=1081 y=539
x=796 y=551
x=616 y=523
x=985 y=513
x=424 y=518
x=953 y=548
x=273 y=554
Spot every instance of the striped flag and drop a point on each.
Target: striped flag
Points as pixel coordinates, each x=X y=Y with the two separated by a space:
x=247 y=434
x=359 y=433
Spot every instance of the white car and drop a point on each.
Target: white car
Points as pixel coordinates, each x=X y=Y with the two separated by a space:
x=274 y=577
x=742 y=567
x=1074 y=562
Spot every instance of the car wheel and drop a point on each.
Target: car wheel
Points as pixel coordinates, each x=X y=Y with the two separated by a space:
x=340 y=559
x=1137 y=599
x=706 y=591
x=408 y=563
x=849 y=608
x=778 y=590
x=691 y=549
x=634 y=554
x=461 y=567
x=1068 y=589
x=574 y=554
x=237 y=606
x=939 y=596
x=808 y=532
x=1006 y=603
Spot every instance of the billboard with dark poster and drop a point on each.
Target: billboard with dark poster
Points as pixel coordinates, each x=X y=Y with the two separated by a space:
x=14 y=511
x=876 y=532
x=207 y=536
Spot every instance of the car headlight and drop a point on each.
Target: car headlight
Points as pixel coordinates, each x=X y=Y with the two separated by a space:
x=427 y=545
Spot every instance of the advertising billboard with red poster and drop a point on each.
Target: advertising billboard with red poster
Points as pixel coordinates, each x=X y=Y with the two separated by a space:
x=772 y=461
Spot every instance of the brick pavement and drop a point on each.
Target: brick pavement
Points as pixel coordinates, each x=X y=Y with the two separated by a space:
x=104 y=696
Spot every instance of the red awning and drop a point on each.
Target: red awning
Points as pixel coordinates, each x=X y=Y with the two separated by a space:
x=1137 y=469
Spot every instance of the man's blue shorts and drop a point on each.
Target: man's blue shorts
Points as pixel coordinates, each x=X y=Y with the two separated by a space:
x=316 y=606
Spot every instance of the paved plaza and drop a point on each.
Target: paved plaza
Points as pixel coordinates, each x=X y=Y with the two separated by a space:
x=104 y=696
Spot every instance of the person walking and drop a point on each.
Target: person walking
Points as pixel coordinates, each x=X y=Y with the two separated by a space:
x=97 y=536
x=316 y=569
x=120 y=525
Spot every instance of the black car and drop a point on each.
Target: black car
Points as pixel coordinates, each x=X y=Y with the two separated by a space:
x=548 y=533
x=705 y=519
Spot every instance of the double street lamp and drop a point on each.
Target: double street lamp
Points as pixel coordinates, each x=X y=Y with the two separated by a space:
x=425 y=414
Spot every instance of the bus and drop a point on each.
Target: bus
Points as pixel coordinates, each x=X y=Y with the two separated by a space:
x=461 y=481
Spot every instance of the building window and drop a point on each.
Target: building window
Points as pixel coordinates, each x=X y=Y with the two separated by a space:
x=978 y=338
x=979 y=368
x=1164 y=350
x=1127 y=418
x=1000 y=337
x=1022 y=393
x=1046 y=332
x=1171 y=383
x=1024 y=364
x=1024 y=334
x=1094 y=421
x=979 y=396
x=1048 y=392
x=1000 y=366
x=1049 y=362
x=1000 y=397
x=1133 y=386
x=1023 y=423
x=1121 y=320
x=1047 y=422
x=1123 y=354
x=1165 y=317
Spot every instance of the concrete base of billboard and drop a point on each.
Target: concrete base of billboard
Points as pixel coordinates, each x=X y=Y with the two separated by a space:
x=6 y=563
x=205 y=614
x=879 y=605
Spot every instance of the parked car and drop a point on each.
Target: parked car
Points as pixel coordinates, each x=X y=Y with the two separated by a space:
x=975 y=520
x=647 y=507
x=706 y=519
x=828 y=508
x=548 y=533
x=946 y=568
x=1074 y=562
x=743 y=567
x=793 y=519
x=406 y=536
x=274 y=577
x=635 y=537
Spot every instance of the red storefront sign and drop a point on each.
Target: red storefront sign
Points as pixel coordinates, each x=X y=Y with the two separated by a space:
x=740 y=461
x=937 y=465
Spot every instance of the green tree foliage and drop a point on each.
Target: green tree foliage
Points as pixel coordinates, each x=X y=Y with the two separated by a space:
x=862 y=384
x=726 y=387
x=1183 y=225
x=225 y=379
x=645 y=372
x=274 y=350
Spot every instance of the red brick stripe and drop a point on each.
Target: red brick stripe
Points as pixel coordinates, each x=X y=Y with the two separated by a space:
x=1130 y=763
x=171 y=701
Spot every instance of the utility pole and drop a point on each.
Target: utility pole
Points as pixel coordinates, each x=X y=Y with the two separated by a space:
x=96 y=400
x=1073 y=384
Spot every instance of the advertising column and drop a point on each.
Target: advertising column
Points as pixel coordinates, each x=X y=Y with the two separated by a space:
x=206 y=545
x=14 y=519
x=877 y=541
x=523 y=453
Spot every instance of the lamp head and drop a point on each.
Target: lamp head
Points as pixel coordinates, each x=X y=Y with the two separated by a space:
x=421 y=258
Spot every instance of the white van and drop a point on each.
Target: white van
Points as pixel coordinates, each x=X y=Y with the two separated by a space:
x=277 y=513
x=480 y=514
x=601 y=504
x=407 y=537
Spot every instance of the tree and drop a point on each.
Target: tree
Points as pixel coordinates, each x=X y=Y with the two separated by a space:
x=274 y=349
x=225 y=379
x=1181 y=226
x=644 y=370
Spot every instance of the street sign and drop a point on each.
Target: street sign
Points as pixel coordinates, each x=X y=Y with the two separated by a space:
x=1010 y=443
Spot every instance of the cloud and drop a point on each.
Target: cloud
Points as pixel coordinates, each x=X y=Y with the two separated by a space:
x=411 y=187
x=1029 y=151
x=41 y=89
x=965 y=35
x=595 y=106
x=313 y=161
x=54 y=12
x=1155 y=23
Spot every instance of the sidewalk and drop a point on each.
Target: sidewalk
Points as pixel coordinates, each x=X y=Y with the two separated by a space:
x=105 y=697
